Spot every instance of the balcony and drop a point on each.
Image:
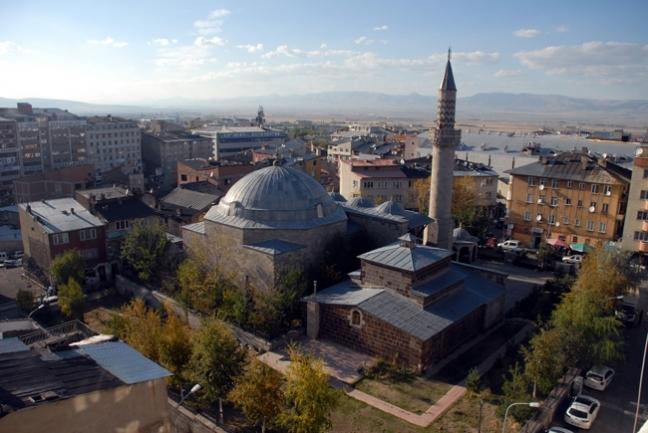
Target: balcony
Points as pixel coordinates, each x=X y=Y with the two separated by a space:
x=643 y=247
x=644 y=225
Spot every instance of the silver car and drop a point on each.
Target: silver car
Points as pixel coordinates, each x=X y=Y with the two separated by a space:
x=583 y=411
x=599 y=377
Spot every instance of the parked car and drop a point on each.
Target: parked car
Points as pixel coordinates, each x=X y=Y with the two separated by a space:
x=13 y=263
x=491 y=242
x=510 y=245
x=576 y=259
x=628 y=311
x=558 y=430
x=599 y=377
x=582 y=411
x=18 y=254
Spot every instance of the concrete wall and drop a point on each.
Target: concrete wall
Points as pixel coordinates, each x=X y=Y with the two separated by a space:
x=139 y=408
x=185 y=421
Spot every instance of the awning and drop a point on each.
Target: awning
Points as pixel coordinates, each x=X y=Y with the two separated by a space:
x=557 y=243
x=581 y=247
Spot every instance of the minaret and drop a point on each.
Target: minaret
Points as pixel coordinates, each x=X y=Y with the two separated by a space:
x=446 y=139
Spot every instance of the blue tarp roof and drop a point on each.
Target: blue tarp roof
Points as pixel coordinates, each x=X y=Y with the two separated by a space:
x=124 y=362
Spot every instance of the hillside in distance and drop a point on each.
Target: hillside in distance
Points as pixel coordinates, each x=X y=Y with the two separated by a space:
x=523 y=107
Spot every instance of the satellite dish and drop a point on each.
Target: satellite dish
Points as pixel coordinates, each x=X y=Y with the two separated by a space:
x=592 y=209
x=557 y=224
x=541 y=187
x=639 y=151
x=605 y=155
x=539 y=218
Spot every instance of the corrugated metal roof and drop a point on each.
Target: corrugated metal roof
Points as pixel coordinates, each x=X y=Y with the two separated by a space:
x=345 y=293
x=124 y=362
x=274 y=247
x=196 y=227
x=56 y=216
x=408 y=259
x=188 y=199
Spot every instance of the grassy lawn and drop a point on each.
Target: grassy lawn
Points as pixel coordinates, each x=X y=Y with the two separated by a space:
x=415 y=395
x=353 y=416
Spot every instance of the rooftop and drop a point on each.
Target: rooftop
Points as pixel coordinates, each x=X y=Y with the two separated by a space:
x=388 y=210
x=125 y=210
x=105 y=193
x=274 y=247
x=61 y=215
x=77 y=174
x=188 y=199
x=406 y=258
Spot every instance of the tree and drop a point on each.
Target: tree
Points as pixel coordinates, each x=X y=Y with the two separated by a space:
x=216 y=361
x=175 y=345
x=199 y=288
x=71 y=298
x=25 y=300
x=308 y=397
x=141 y=327
x=144 y=250
x=257 y=392
x=516 y=389
x=545 y=360
x=68 y=265
x=464 y=202
x=545 y=254
x=473 y=380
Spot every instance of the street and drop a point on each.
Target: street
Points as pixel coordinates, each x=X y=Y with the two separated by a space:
x=618 y=402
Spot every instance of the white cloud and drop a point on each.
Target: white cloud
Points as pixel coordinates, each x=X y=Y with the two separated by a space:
x=363 y=40
x=251 y=48
x=527 y=33
x=214 y=41
x=503 y=73
x=286 y=51
x=108 y=42
x=163 y=42
x=611 y=62
x=381 y=28
x=7 y=47
x=213 y=23
x=561 y=29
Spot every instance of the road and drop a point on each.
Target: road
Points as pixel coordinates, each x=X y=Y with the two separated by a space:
x=618 y=402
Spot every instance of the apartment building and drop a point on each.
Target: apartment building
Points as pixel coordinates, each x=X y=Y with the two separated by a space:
x=221 y=174
x=573 y=197
x=53 y=184
x=230 y=140
x=635 y=230
x=9 y=158
x=161 y=151
x=114 y=142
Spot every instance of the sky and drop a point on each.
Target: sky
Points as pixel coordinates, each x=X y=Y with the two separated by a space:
x=155 y=51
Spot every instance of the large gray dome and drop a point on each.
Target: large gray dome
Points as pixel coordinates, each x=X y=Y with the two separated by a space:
x=279 y=197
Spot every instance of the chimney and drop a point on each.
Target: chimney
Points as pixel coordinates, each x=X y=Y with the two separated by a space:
x=512 y=163
x=72 y=210
x=29 y=209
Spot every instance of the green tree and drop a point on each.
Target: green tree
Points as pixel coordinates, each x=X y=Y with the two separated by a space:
x=216 y=361
x=464 y=202
x=144 y=250
x=68 y=265
x=71 y=299
x=141 y=327
x=175 y=346
x=516 y=389
x=199 y=288
x=25 y=300
x=257 y=392
x=545 y=360
x=234 y=308
x=545 y=254
x=473 y=380
x=308 y=397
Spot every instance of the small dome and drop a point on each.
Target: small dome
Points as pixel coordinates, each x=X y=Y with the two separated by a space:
x=390 y=207
x=277 y=196
x=361 y=202
x=461 y=234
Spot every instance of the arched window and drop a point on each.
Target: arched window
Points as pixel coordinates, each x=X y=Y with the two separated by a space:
x=356 y=318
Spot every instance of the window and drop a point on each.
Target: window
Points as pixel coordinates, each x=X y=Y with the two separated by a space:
x=541 y=199
x=604 y=208
x=577 y=222
x=642 y=215
x=183 y=177
x=607 y=189
x=568 y=201
x=554 y=183
x=554 y=201
x=398 y=198
x=356 y=318
x=595 y=188
x=645 y=173
x=527 y=215
x=581 y=185
x=529 y=198
x=543 y=181
x=593 y=205
x=88 y=234
x=355 y=184
x=566 y=219
x=368 y=184
x=532 y=180
x=590 y=226
x=602 y=227
x=60 y=238
x=644 y=195
x=574 y=239
x=397 y=185
x=122 y=225
x=580 y=203
x=570 y=183
x=552 y=219
x=641 y=236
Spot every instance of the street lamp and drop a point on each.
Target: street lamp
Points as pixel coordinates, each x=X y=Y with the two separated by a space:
x=643 y=364
x=530 y=404
x=184 y=396
x=35 y=310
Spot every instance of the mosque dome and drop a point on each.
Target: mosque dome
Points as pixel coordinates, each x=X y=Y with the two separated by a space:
x=276 y=197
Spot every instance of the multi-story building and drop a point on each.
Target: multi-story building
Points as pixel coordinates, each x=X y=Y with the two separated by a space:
x=635 y=229
x=9 y=158
x=51 y=227
x=66 y=142
x=162 y=150
x=53 y=184
x=230 y=140
x=572 y=197
x=114 y=142
x=381 y=180
x=222 y=174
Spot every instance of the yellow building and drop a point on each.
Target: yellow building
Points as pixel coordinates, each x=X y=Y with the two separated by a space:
x=572 y=197
x=635 y=230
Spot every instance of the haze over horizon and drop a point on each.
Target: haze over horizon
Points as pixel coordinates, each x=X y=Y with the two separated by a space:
x=139 y=53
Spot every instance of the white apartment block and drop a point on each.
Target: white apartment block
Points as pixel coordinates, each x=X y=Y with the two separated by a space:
x=114 y=142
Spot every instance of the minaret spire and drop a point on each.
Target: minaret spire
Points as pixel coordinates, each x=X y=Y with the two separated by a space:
x=446 y=138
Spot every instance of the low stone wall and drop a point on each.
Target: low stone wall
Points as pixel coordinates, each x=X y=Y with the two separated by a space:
x=545 y=415
x=185 y=421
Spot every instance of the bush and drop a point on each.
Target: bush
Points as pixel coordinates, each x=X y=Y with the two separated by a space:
x=71 y=299
x=473 y=380
x=25 y=300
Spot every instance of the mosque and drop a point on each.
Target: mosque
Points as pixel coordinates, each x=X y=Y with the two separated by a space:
x=409 y=303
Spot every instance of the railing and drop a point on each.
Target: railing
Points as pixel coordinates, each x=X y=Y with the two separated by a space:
x=67 y=328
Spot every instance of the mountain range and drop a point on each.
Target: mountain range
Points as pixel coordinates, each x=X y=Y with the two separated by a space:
x=516 y=107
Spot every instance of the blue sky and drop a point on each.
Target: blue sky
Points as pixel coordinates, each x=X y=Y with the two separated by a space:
x=146 y=51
